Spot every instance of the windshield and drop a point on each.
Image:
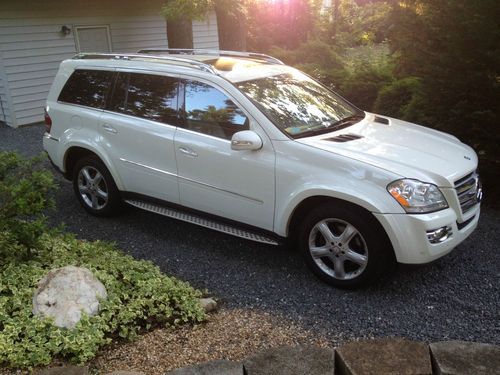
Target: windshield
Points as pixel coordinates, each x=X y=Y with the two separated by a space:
x=300 y=106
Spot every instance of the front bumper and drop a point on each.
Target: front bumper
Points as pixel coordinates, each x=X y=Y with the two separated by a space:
x=408 y=233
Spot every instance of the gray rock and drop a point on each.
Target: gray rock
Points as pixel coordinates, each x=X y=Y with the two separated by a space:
x=461 y=357
x=65 y=292
x=383 y=356
x=219 y=367
x=64 y=370
x=291 y=361
x=208 y=304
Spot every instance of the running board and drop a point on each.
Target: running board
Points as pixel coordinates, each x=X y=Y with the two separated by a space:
x=207 y=223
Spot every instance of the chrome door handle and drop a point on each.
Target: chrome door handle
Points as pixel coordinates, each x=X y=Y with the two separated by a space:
x=188 y=151
x=109 y=128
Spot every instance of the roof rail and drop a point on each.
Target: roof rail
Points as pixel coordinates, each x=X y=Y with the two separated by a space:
x=132 y=56
x=182 y=51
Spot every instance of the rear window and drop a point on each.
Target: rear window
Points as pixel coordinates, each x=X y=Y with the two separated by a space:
x=87 y=88
x=148 y=96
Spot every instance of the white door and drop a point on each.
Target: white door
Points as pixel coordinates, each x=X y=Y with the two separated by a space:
x=92 y=39
x=237 y=185
x=138 y=130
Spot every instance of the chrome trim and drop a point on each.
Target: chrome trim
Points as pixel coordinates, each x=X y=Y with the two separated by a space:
x=469 y=191
x=148 y=167
x=211 y=224
x=191 y=180
x=439 y=235
x=220 y=53
x=180 y=128
x=200 y=65
x=48 y=136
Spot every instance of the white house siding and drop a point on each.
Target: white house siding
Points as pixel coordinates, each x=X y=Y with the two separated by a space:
x=205 y=33
x=32 y=46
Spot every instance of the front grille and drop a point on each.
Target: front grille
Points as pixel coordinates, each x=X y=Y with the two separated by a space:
x=469 y=191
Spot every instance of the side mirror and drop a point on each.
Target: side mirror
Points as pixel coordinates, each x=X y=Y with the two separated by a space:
x=246 y=140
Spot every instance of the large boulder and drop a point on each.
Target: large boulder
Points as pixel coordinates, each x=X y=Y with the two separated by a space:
x=65 y=292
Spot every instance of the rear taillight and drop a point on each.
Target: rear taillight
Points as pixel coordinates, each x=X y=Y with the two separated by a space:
x=48 y=120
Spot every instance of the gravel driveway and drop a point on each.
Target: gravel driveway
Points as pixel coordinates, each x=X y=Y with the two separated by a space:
x=456 y=297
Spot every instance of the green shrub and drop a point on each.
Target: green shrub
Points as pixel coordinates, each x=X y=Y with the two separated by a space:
x=395 y=98
x=139 y=297
x=24 y=195
x=363 y=85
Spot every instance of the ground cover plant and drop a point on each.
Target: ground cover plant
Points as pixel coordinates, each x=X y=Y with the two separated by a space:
x=139 y=295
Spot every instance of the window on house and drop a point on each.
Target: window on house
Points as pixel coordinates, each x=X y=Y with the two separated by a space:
x=87 y=87
x=207 y=110
x=148 y=96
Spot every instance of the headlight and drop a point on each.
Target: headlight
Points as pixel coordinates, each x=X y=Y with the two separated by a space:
x=417 y=197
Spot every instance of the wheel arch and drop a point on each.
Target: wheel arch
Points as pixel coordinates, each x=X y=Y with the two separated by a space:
x=77 y=151
x=310 y=202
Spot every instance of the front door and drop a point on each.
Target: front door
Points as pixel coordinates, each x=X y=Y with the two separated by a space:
x=92 y=39
x=213 y=178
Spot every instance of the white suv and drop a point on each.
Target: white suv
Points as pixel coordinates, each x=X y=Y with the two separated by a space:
x=243 y=144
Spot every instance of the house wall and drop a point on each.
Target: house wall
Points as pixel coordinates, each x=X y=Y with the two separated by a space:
x=32 y=46
x=205 y=33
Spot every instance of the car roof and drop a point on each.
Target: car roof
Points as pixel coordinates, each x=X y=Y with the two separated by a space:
x=231 y=65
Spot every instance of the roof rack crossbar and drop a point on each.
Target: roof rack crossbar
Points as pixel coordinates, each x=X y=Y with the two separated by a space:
x=198 y=51
x=122 y=56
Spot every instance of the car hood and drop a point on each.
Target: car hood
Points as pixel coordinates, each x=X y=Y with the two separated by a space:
x=403 y=148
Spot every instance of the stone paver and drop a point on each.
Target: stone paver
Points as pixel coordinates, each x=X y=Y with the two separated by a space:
x=219 y=367
x=64 y=370
x=298 y=360
x=464 y=358
x=383 y=356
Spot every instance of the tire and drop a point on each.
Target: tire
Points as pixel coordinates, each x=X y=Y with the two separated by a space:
x=95 y=188
x=357 y=252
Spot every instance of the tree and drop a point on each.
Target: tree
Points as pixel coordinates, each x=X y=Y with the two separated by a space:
x=230 y=20
x=453 y=47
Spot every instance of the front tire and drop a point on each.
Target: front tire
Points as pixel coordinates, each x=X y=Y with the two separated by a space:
x=344 y=245
x=95 y=188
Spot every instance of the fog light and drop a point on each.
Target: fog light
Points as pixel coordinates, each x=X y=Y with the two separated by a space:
x=439 y=235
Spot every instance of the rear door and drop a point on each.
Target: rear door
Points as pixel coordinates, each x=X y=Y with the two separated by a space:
x=138 y=128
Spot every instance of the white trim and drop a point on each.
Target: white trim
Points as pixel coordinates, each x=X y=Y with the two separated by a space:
x=77 y=41
x=8 y=98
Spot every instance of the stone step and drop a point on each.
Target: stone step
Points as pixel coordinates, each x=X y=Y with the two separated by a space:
x=383 y=356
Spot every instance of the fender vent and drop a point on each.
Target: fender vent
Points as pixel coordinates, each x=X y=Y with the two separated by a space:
x=344 y=138
x=381 y=120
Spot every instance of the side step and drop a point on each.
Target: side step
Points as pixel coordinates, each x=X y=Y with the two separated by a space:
x=207 y=223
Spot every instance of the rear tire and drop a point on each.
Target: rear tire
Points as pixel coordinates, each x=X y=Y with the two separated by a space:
x=345 y=246
x=95 y=188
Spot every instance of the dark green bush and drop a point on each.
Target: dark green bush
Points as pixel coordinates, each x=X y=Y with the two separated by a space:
x=25 y=187
x=395 y=98
x=363 y=85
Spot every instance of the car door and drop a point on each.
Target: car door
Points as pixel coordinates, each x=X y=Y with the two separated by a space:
x=238 y=185
x=138 y=130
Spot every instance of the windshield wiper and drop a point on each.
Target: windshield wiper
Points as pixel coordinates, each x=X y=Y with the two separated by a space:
x=346 y=122
x=337 y=125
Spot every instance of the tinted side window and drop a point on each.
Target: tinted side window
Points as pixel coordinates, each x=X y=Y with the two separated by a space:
x=87 y=87
x=209 y=111
x=146 y=95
